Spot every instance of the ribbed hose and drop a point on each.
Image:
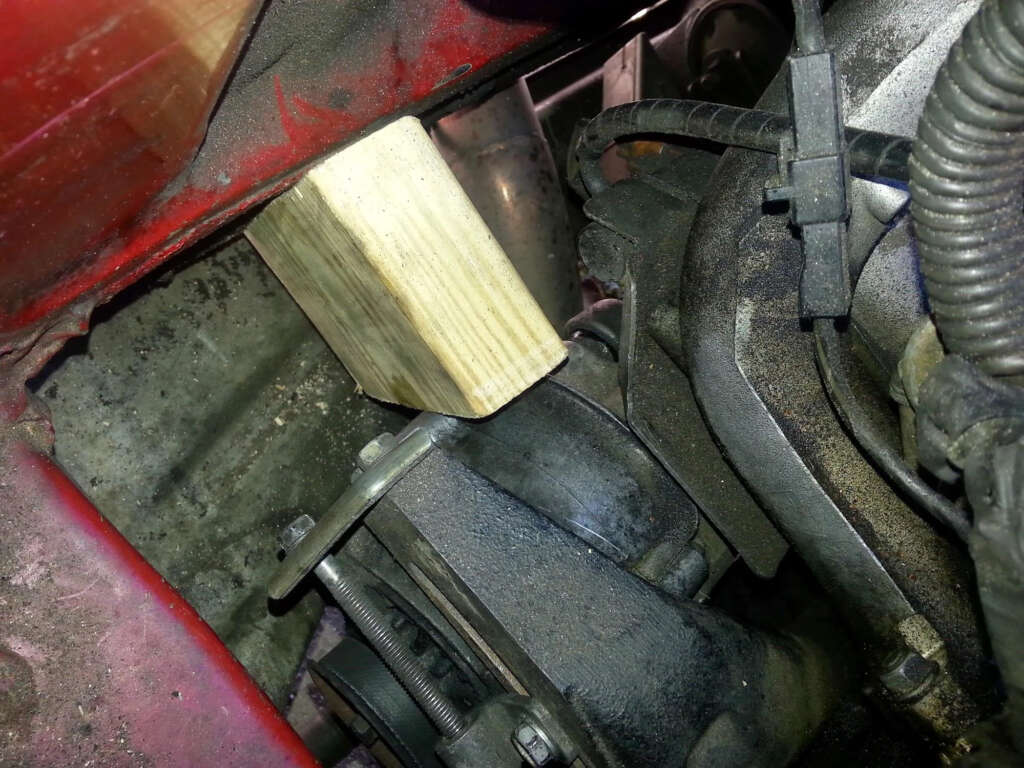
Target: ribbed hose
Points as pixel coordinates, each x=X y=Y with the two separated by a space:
x=871 y=153
x=400 y=660
x=966 y=182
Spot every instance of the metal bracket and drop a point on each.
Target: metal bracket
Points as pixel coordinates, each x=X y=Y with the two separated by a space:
x=412 y=444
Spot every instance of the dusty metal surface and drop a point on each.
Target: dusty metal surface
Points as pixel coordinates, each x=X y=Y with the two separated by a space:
x=202 y=409
x=646 y=675
x=768 y=340
x=659 y=400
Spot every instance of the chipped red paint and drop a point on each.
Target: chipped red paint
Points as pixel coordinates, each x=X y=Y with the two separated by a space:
x=95 y=190
x=123 y=671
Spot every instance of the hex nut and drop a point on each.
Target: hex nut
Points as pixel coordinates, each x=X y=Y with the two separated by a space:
x=909 y=674
x=296 y=531
x=376 y=448
x=532 y=744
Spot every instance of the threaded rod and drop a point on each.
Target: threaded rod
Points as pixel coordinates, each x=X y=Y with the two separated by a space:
x=399 y=659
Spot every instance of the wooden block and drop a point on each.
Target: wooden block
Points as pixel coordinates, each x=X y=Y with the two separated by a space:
x=387 y=256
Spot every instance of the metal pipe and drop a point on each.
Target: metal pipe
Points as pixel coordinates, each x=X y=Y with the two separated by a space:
x=498 y=152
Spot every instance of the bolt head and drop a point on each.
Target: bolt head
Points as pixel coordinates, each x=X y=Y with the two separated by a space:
x=296 y=531
x=363 y=731
x=532 y=745
x=376 y=448
x=909 y=674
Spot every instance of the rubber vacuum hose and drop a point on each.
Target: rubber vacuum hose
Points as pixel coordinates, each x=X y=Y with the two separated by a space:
x=871 y=153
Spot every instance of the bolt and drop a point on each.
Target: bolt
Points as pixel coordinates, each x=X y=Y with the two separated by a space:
x=376 y=628
x=296 y=532
x=908 y=674
x=533 y=744
x=363 y=731
x=376 y=448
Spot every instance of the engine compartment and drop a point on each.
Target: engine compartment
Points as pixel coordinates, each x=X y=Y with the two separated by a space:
x=766 y=513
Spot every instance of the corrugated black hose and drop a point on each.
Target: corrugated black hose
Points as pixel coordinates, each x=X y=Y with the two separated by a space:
x=967 y=202
x=967 y=192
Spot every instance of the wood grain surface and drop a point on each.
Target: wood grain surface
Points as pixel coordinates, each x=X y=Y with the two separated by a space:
x=387 y=256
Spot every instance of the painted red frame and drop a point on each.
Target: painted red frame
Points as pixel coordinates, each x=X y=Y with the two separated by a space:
x=123 y=671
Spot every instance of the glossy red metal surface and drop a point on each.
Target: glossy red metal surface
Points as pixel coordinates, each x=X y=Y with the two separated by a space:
x=101 y=661
x=108 y=101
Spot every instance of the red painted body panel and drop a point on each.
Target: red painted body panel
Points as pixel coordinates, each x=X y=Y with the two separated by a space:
x=102 y=661
x=108 y=100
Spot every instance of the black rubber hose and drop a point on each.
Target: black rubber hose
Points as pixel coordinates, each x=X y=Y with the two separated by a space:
x=864 y=433
x=967 y=191
x=871 y=153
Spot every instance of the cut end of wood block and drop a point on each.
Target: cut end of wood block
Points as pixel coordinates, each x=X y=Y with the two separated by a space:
x=489 y=396
x=381 y=247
